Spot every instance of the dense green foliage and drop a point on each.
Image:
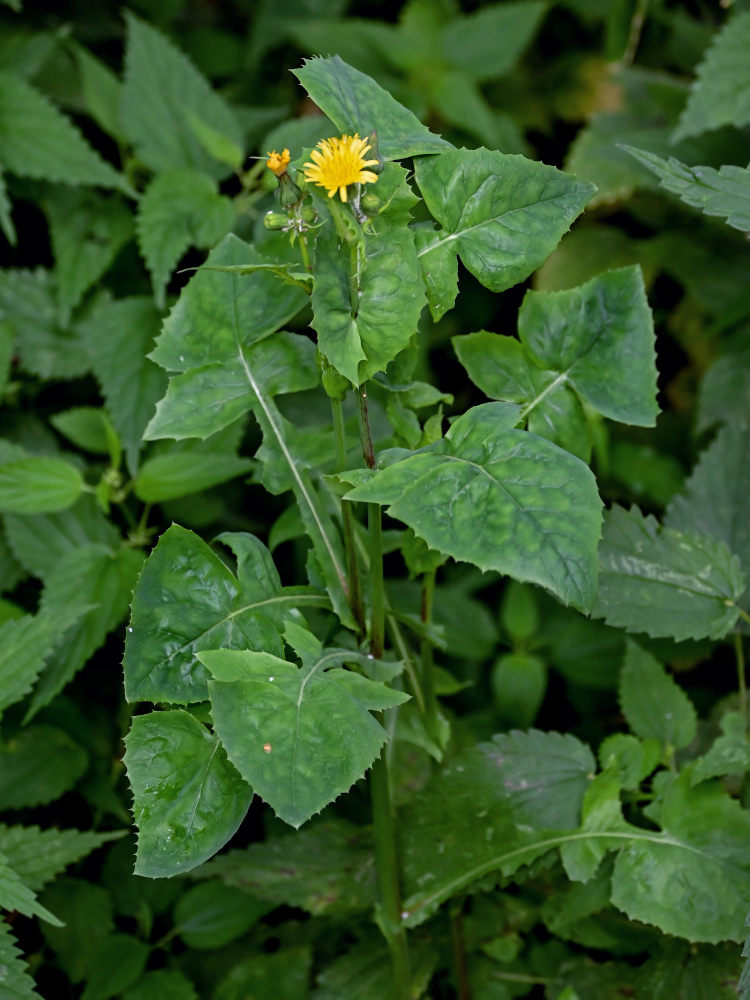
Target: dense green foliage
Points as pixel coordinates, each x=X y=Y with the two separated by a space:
x=374 y=569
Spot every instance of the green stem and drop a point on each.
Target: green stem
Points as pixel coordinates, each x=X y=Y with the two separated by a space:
x=405 y=654
x=743 y=614
x=347 y=519
x=428 y=665
x=739 y=653
x=460 y=966
x=377 y=584
x=304 y=253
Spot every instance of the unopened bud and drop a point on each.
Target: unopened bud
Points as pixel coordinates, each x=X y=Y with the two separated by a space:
x=334 y=383
x=370 y=203
x=275 y=220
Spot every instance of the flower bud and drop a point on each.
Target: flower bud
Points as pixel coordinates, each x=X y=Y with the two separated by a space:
x=334 y=383
x=275 y=220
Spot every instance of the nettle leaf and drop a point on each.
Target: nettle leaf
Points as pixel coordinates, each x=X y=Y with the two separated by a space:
x=355 y=103
x=714 y=500
x=15 y=976
x=188 y=799
x=179 y=209
x=654 y=705
x=501 y=213
x=300 y=736
x=38 y=765
x=37 y=484
x=724 y=192
x=15 y=896
x=724 y=391
x=38 y=141
x=601 y=814
x=100 y=89
x=118 y=336
x=390 y=301
x=328 y=867
x=721 y=92
x=86 y=911
x=502 y=499
x=38 y=855
x=213 y=914
x=664 y=582
x=488 y=43
x=728 y=754
x=693 y=879
x=87 y=231
x=161 y=91
x=187 y=600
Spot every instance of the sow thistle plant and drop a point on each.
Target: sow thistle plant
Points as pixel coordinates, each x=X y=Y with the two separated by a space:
x=296 y=692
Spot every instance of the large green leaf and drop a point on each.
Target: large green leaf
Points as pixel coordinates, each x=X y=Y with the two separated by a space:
x=14 y=975
x=721 y=93
x=488 y=43
x=38 y=765
x=14 y=895
x=724 y=192
x=664 y=582
x=212 y=914
x=300 y=736
x=715 y=497
x=179 y=209
x=38 y=141
x=502 y=499
x=188 y=799
x=38 y=855
x=326 y=868
x=37 y=484
x=355 y=103
x=187 y=600
x=161 y=92
x=118 y=335
x=655 y=706
x=390 y=299
x=501 y=213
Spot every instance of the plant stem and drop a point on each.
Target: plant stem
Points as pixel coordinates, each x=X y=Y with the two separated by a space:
x=347 y=519
x=428 y=666
x=460 y=967
x=303 y=251
x=405 y=654
x=739 y=653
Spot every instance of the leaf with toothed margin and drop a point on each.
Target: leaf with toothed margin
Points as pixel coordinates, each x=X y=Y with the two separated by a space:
x=188 y=799
x=300 y=735
x=502 y=499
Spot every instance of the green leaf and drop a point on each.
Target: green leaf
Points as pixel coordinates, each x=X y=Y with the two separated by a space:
x=390 y=300
x=501 y=213
x=37 y=484
x=14 y=895
x=100 y=89
x=356 y=104
x=179 y=209
x=38 y=855
x=602 y=813
x=724 y=192
x=519 y=682
x=365 y=971
x=118 y=336
x=715 y=495
x=188 y=799
x=692 y=880
x=724 y=391
x=526 y=490
x=38 y=141
x=689 y=972
x=212 y=914
x=185 y=469
x=488 y=43
x=187 y=600
x=14 y=977
x=728 y=754
x=654 y=705
x=102 y=582
x=663 y=582
x=326 y=868
x=166 y=984
x=117 y=963
x=283 y=974
x=24 y=646
x=439 y=271
x=87 y=232
x=88 y=427
x=6 y=222
x=39 y=765
x=161 y=91
x=720 y=94
x=300 y=736
x=634 y=759
x=41 y=541
x=86 y=912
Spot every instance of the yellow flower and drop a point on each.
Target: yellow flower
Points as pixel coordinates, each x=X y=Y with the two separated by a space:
x=278 y=162
x=340 y=162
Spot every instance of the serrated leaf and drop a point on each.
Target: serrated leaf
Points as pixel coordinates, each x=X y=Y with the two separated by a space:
x=38 y=141
x=117 y=963
x=118 y=336
x=171 y=622
x=211 y=915
x=100 y=89
x=501 y=213
x=689 y=972
x=38 y=855
x=487 y=43
x=728 y=754
x=87 y=232
x=602 y=813
x=284 y=974
x=179 y=209
x=38 y=484
x=501 y=499
x=300 y=736
x=188 y=799
x=724 y=192
x=714 y=500
x=14 y=977
x=390 y=300
x=663 y=582
x=719 y=95
x=38 y=765
x=326 y=868
x=102 y=581
x=161 y=90
x=654 y=705
x=724 y=391
x=14 y=895
x=356 y=104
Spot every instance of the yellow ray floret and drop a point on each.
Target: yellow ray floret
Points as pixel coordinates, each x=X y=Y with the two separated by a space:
x=278 y=162
x=340 y=162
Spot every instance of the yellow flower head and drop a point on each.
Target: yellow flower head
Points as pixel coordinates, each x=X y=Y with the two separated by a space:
x=340 y=162
x=278 y=162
